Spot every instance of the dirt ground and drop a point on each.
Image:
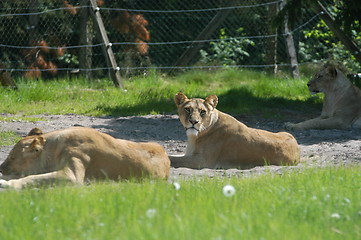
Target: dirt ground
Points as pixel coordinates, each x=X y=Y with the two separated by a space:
x=319 y=148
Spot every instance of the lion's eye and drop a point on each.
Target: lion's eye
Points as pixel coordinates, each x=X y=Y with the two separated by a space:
x=203 y=112
x=188 y=110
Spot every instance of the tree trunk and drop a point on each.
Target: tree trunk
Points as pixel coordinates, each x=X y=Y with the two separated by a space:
x=33 y=23
x=291 y=49
x=271 y=44
x=86 y=38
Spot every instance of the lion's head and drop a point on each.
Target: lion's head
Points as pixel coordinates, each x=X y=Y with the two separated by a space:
x=24 y=157
x=196 y=114
x=35 y=131
x=326 y=80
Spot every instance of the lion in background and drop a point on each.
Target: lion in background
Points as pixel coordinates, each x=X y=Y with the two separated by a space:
x=78 y=154
x=217 y=140
x=341 y=105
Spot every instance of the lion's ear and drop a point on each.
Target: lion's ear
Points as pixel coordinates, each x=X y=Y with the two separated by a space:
x=35 y=131
x=180 y=98
x=332 y=71
x=37 y=143
x=212 y=100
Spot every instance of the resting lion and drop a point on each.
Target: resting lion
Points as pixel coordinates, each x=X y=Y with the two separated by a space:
x=78 y=154
x=342 y=102
x=217 y=140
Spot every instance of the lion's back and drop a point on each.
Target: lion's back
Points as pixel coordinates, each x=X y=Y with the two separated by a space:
x=110 y=157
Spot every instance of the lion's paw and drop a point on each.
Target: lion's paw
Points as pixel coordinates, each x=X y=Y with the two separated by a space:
x=4 y=184
x=289 y=126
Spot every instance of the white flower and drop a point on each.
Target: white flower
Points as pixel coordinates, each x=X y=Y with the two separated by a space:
x=335 y=215
x=229 y=190
x=151 y=212
x=327 y=197
x=176 y=186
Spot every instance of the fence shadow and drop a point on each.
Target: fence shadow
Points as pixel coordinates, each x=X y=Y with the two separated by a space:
x=242 y=101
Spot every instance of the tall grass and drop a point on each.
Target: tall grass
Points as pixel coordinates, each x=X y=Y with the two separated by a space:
x=240 y=92
x=313 y=204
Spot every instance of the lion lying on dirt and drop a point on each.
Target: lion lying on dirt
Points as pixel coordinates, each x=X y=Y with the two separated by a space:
x=78 y=154
x=342 y=102
x=217 y=140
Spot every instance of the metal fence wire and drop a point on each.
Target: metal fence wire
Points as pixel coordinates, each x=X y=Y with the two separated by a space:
x=48 y=38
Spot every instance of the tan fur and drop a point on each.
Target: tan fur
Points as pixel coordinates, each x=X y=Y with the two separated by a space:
x=342 y=102
x=217 y=140
x=35 y=131
x=78 y=154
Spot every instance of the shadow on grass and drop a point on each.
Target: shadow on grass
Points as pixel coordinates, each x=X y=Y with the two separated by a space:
x=242 y=101
x=148 y=107
x=236 y=101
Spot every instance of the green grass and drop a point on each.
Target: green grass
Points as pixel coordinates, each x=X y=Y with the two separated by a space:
x=20 y=119
x=240 y=92
x=313 y=204
x=8 y=138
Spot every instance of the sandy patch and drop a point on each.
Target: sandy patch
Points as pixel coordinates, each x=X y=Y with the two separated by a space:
x=319 y=147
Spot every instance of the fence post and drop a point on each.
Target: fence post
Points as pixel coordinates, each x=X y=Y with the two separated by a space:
x=86 y=38
x=271 y=43
x=33 y=22
x=291 y=49
x=114 y=70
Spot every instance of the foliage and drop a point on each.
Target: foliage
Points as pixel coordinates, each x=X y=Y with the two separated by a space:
x=56 y=28
x=69 y=59
x=347 y=13
x=227 y=51
x=319 y=43
x=62 y=28
x=312 y=204
x=349 y=17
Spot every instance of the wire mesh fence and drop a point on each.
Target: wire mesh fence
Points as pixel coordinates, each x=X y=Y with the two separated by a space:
x=48 y=38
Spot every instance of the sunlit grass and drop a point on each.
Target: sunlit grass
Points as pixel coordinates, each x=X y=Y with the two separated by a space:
x=20 y=119
x=313 y=204
x=240 y=92
x=8 y=138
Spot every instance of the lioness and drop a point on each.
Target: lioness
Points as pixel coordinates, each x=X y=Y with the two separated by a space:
x=77 y=154
x=217 y=140
x=342 y=102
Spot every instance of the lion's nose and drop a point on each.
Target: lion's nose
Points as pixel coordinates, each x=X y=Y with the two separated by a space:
x=194 y=122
